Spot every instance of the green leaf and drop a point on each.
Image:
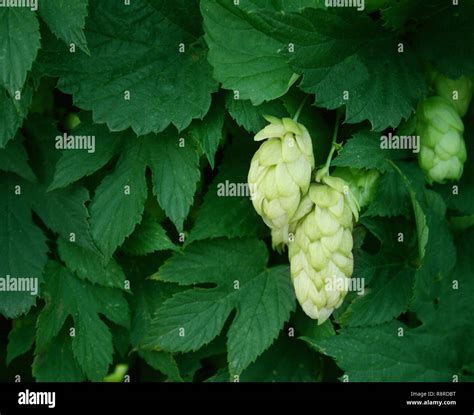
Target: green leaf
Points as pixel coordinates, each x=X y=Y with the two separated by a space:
x=13 y=158
x=435 y=41
x=66 y=19
x=149 y=296
x=64 y=211
x=22 y=337
x=364 y=151
x=147 y=238
x=263 y=298
x=163 y=362
x=211 y=261
x=275 y=366
x=13 y=112
x=120 y=196
x=208 y=132
x=253 y=67
x=235 y=212
x=250 y=116
x=18 y=235
x=57 y=363
x=414 y=182
x=440 y=254
x=19 y=44
x=379 y=354
x=89 y=266
x=176 y=172
x=263 y=308
x=127 y=77
x=329 y=44
x=391 y=197
x=68 y=296
x=385 y=298
x=76 y=164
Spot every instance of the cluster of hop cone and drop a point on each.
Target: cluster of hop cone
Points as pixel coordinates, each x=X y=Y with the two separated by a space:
x=314 y=219
x=313 y=213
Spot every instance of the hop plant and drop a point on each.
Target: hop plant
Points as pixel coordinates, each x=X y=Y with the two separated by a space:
x=362 y=183
x=320 y=255
x=280 y=175
x=446 y=87
x=442 y=149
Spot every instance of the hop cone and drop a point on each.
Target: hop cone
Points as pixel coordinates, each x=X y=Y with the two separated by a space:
x=442 y=149
x=445 y=87
x=321 y=253
x=362 y=183
x=280 y=175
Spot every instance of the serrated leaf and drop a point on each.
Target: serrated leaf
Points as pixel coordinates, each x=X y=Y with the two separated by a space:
x=64 y=211
x=385 y=298
x=90 y=266
x=263 y=308
x=18 y=235
x=13 y=112
x=379 y=354
x=131 y=68
x=224 y=200
x=57 y=363
x=253 y=67
x=208 y=132
x=68 y=296
x=364 y=151
x=391 y=197
x=13 y=158
x=163 y=362
x=210 y=261
x=250 y=116
x=76 y=164
x=192 y=318
x=22 y=337
x=66 y=19
x=329 y=44
x=148 y=237
x=120 y=196
x=440 y=254
x=19 y=44
x=176 y=172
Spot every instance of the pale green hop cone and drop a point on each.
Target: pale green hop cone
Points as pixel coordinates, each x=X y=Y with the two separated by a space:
x=321 y=260
x=280 y=175
x=442 y=148
x=362 y=183
x=447 y=88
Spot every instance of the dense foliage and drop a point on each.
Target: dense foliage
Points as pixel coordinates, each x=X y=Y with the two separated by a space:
x=145 y=243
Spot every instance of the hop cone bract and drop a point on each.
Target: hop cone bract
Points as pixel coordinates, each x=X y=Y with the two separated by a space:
x=442 y=149
x=280 y=174
x=320 y=255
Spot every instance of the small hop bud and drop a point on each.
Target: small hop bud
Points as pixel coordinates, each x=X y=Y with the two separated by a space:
x=461 y=87
x=361 y=183
x=442 y=148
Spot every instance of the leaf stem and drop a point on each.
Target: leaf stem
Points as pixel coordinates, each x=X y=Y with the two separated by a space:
x=325 y=170
x=298 y=111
